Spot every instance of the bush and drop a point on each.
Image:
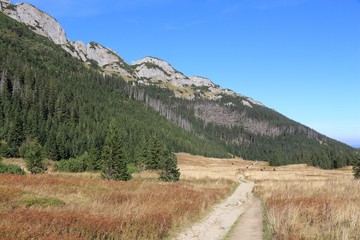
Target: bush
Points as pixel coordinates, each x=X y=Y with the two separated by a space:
x=132 y=168
x=82 y=163
x=11 y=169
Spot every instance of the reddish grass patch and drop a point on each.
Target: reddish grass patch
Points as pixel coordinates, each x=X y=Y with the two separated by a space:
x=99 y=209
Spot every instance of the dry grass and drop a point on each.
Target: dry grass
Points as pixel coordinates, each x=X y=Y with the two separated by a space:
x=308 y=203
x=199 y=167
x=301 y=202
x=82 y=206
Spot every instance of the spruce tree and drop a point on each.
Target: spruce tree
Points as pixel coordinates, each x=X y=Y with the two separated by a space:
x=157 y=153
x=34 y=157
x=170 y=172
x=114 y=155
x=356 y=167
x=94 y=159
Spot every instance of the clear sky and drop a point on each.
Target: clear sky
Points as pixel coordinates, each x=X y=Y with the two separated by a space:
x=299 y=57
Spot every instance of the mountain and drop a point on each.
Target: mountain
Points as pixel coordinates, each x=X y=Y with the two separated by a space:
x=220 y=119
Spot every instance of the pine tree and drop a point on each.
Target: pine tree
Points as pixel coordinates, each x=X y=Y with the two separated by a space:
x=170 y=172
x=34 y=157
x=356 y=167
x=114 y=156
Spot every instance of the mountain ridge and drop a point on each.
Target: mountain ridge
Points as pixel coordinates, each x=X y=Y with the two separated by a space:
x=141 y=71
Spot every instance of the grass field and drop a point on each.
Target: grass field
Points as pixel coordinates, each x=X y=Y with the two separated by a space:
x=304 y=202
x=301 y=202
x=82 y=206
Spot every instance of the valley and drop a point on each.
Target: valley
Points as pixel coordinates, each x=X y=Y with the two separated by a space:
x=93 y=147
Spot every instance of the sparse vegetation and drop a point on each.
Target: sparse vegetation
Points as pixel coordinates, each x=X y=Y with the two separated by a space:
x=11 y=7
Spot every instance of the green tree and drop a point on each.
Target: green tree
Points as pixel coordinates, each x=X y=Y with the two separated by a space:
x=114 y=155
x=94 y=160
x=157 y=153
x=170 y=172
x=356 y=167
x=34 y=157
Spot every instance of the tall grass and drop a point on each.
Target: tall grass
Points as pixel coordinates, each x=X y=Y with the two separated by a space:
x=307 y=203
x=56 y=206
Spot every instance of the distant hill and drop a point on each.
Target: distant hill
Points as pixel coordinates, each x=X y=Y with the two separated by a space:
x=64 y=93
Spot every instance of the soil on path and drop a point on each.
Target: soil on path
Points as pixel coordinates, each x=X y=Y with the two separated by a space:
x=217 y=224
x=250 y=226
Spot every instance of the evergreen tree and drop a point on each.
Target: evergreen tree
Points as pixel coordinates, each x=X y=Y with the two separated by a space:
x=114 y=155
x=170 y=172
x=356 y=167
x=157 y=153
x=34 y=156
x=141 y=153
x=94 y=160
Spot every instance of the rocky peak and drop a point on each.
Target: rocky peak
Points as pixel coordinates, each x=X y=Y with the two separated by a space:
x=38 y=21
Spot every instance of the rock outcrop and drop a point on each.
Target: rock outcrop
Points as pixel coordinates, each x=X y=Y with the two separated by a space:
x=150 y=70
x=38 y=21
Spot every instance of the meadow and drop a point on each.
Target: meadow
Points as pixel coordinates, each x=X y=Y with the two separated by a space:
x=82 y=206
x=300 y=202
x=303 y=202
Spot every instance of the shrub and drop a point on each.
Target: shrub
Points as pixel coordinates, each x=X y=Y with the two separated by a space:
x=75 y=165
x=11 y=169
x=132 y=168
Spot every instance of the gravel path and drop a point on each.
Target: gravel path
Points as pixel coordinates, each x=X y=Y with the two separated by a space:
x=216 y=225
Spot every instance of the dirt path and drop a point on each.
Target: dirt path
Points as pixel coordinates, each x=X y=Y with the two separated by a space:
x=216 y=225
x=250 y=225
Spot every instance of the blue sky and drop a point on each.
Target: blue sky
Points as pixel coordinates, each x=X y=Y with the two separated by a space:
x=299 y=57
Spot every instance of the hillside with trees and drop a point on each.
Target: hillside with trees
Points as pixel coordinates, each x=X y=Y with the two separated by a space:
x=48 y=97
x=66 y=106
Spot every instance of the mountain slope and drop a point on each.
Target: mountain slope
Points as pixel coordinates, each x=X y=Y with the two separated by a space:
x=47 y=94
x=220 y=117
